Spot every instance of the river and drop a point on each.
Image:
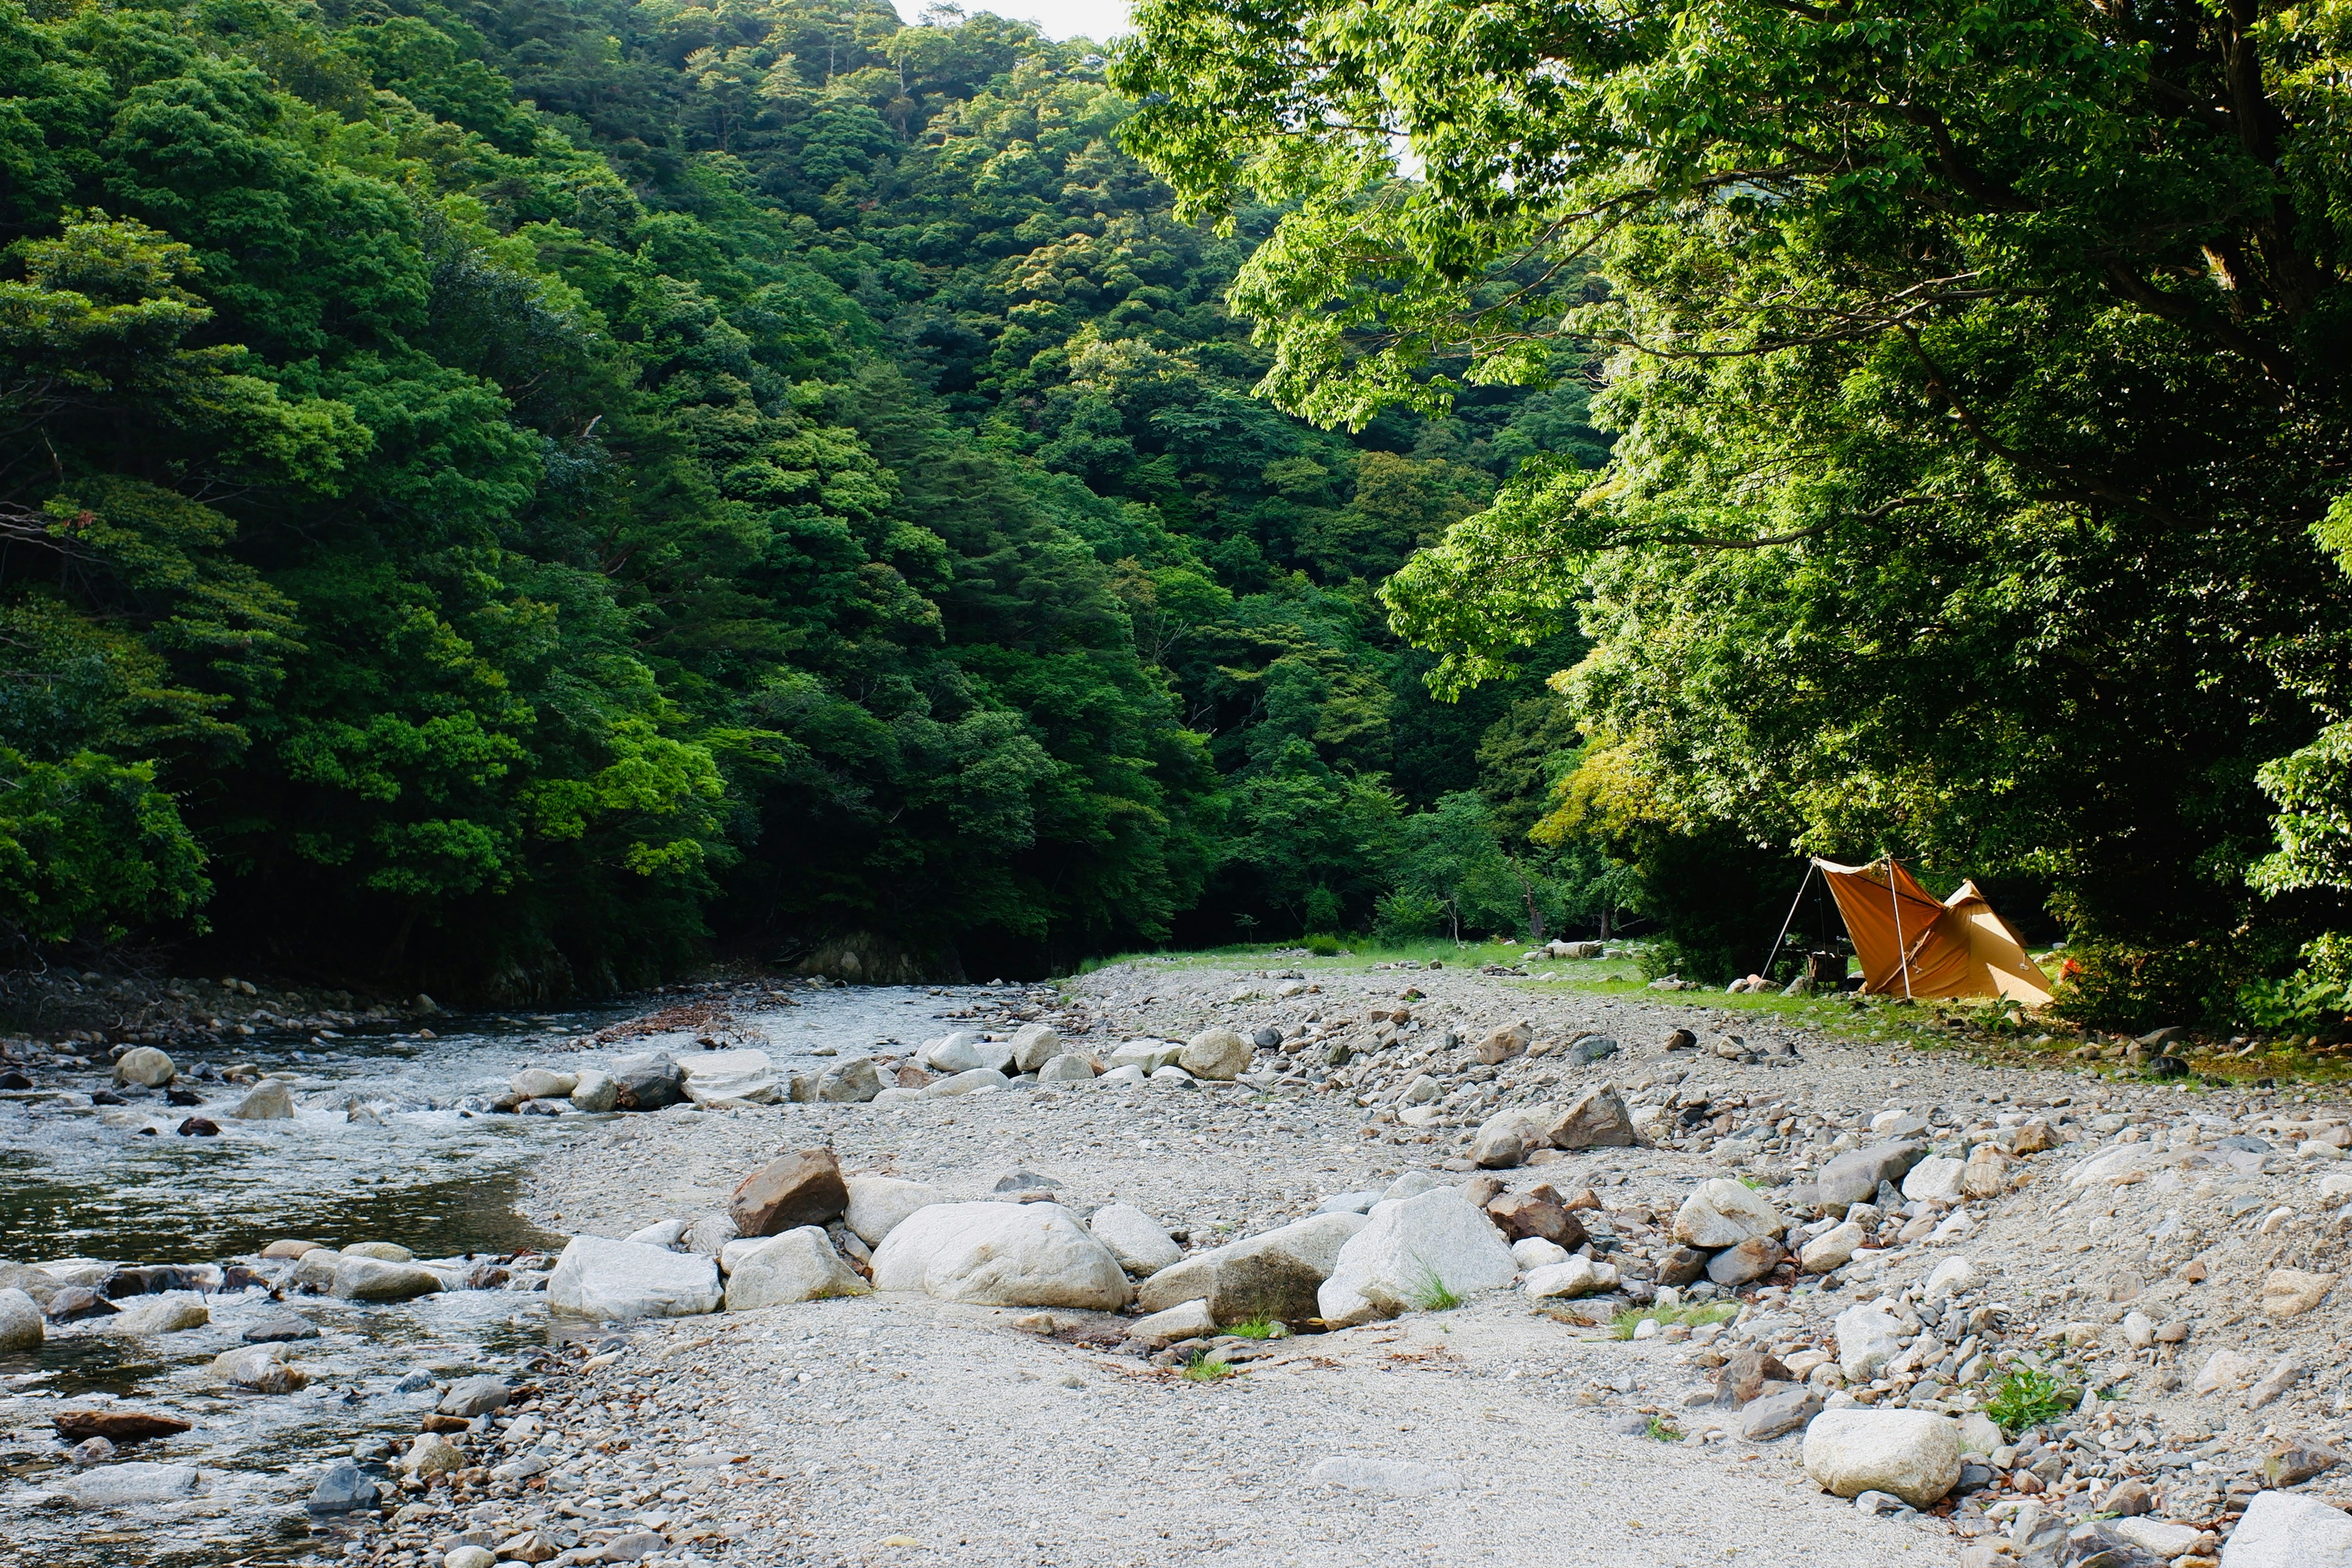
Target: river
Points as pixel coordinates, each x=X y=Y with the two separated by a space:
x=425 y=1166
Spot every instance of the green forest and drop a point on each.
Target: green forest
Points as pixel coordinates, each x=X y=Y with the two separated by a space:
x=518 y=498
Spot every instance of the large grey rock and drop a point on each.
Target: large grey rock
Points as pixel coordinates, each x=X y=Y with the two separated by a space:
x=22 y=1326
x=130 y=1485
x=1723 y=1214
x=1775 y=1414
x=1854 y=1177
x=1001 y=1254
x=965 y=1083
x=472 y=1396
x=600 y=1278
x=1275 y=1274
x=341 y=1490
x=1068 y=1068
x=1218 y=1054
x=1911 y=1454
x=144 y=1065
x=1752 y=1260
x=166 y=1314
x=798 y=1266
x=877 y=1205
x=1134 y=1238
x=268 y=1101
x=1596 y=1118
x=1035 y=1045
x=853 y=1083
x=1867 y=1338
x=1574 y=1276
x=381 y=1279
x=1409 y=1252
x=2286 y=1530
x=649 y=1083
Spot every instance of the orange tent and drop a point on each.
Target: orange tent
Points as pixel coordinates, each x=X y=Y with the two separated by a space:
x=1912 y=943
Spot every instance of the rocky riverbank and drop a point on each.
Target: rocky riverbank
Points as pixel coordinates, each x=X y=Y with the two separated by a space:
x=1752 y=1283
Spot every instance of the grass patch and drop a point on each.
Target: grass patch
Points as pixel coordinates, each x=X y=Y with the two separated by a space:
x=1199 y=1368
x=1258 y=1328
x=1430 y=1293
x=1624 y=1324
x=1663 y=1432
x=2028 y=1398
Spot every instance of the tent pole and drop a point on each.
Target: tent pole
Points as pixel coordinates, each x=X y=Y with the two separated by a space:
x=1803 y=883
x=1902 y=952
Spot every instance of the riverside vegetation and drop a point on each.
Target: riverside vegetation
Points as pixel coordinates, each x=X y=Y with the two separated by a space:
x=505 y=499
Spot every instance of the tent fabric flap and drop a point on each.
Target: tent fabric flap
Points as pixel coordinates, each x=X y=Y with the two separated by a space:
x=1912 y=943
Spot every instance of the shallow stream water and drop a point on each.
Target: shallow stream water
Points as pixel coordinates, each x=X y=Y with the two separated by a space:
x=422 y=1167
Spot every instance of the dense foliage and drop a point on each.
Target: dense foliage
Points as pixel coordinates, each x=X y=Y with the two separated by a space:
x=1983 y=377
x=498 y=496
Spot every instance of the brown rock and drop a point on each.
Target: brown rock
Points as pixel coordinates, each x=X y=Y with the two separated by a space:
x=444 y=1423
x=1678 y=1265
x=912 y=1077
x=1481 y=1190
x=1504 y=1044
x=2034 y=1138
x=1682 y=1040
x=1986 y=1176
x=115 y=1426
x=1521 y=1214
x=2292 y=1460
x=1596 y=1118
x=1587 y=1199
x=2291 y=1292
x=289 y=1248
x=2129 y=1497
x=1743 y=1377
x=792 y=1190
x=2195 y=1271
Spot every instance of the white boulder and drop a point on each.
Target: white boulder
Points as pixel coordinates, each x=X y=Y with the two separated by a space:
x=1934 y=1179
x=595 y=1091
x=129 y=1485
x=2286 y=1530
x=1953 y=1276
x=1068 y=1068
x=1833 y=1248
x=1219 y=1054
x=600 y=1278
x=1033 y=1046
x=1534 y=1252
x=144 y=1065
x=1001 y=1254
x=877 y=1205
x=971 y=1082
x=966 y=1051
x=1723 y=1214
x=1912 y=1454
x=22 y=1326
x=1184 y=1321
x=1409 y=1254
x=166 y=1314
x=1577 y=1277
x=729 y=1077
x=268 y=1101
x=1867 y=1338
x=798 y=1266
x=1123 y=1076
x=381 y=1279
x=1134 y=1238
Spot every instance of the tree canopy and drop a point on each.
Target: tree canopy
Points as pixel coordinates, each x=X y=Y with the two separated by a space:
x=1978 y=377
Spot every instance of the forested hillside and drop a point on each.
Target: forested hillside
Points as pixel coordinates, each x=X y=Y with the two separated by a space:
x=505 y=497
